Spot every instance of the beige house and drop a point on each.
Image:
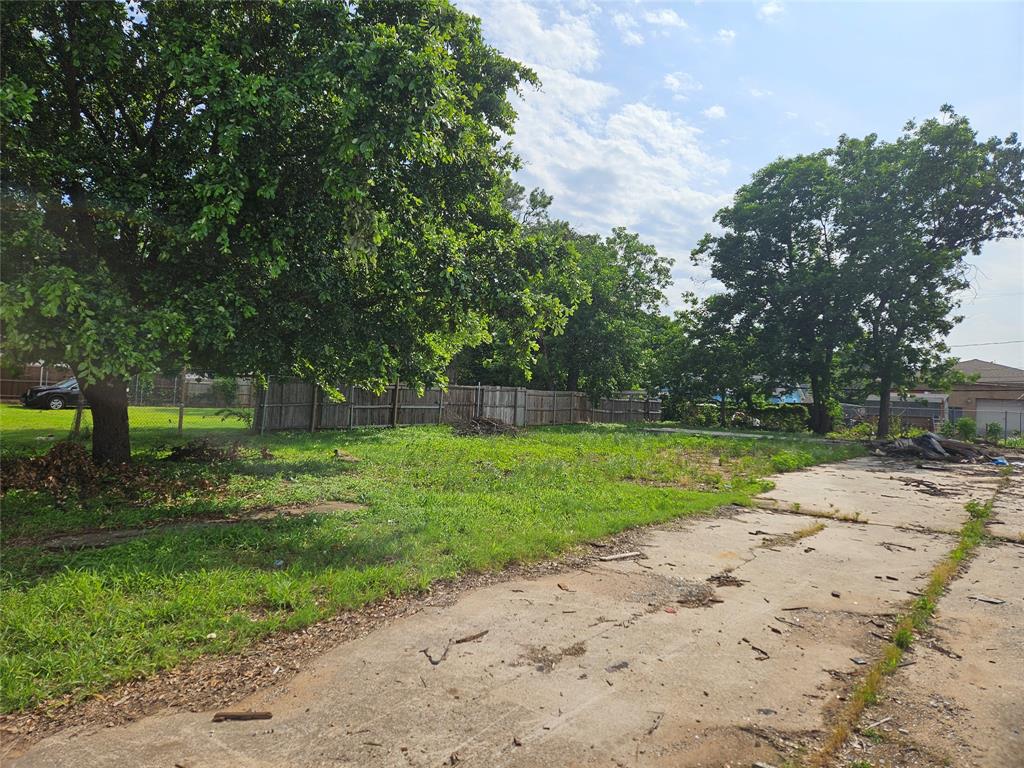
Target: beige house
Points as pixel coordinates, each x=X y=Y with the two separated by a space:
x=996 y=397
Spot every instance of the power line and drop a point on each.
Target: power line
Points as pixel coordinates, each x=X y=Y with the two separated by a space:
x=989 y=343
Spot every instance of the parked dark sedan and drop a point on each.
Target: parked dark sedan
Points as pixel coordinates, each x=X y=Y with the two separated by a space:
x=53 y=396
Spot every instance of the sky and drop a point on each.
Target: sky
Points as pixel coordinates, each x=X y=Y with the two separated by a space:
x=651 y=114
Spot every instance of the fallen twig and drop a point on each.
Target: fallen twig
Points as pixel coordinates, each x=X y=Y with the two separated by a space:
x=620 y=556
x=471 y=638
x=247 y=715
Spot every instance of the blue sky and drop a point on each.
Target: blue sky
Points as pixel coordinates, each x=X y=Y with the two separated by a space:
x=652 y=113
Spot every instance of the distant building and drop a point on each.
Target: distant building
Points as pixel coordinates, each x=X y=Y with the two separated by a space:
x=996 y=397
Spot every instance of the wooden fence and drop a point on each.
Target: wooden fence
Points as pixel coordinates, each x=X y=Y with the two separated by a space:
x=292 y=404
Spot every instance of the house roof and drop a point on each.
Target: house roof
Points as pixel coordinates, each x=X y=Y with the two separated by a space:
x=992 y=373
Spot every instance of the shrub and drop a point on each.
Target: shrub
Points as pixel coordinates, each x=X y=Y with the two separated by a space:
x=993 y=431
x=225 y=390
x=947 y=429
x=966 y=429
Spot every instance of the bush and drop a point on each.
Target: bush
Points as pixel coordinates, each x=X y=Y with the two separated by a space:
x=787 y=417
x=947 y=429
x=225 y=390
x=993 y=431
x=966 y=429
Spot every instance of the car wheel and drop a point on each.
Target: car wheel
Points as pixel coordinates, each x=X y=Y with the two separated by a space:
x=55 y=403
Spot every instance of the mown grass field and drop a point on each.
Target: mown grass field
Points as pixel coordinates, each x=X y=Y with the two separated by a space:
x=31 y=429
x=434 y=506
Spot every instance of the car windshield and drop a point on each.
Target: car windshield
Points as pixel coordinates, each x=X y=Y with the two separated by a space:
x=67 y=383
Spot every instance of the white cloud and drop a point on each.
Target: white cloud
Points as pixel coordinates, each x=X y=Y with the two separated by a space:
x=725 y=35
x=716 y=112
x=569 y=42
x=627 y=25
x=770 y=11
x=607 y=163
x=791 y=115
x=681 y=84
x=760 y=93
x=666 y=17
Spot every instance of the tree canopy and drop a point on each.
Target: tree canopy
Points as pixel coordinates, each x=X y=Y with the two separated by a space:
x=314 y=188
x=854 y=255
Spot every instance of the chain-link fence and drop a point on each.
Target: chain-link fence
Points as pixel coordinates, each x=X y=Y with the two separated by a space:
x=45 y=404
x=992 y=419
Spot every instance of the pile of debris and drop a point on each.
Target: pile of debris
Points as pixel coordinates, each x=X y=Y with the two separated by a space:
x=482 y=426
x=934 y=447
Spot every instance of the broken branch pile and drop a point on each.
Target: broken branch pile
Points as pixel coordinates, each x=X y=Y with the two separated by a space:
x=483 y=426
x=934 y=448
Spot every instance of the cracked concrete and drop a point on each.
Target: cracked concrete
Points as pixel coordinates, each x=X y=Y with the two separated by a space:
x=617 y=664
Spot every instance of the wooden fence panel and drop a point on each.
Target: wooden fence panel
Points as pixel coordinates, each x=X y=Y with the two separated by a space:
x=292 y=404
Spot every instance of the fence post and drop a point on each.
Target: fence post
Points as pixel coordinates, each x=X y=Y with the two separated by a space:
x=440 y=404
x=263 y=410
x=478 y=403
x=312 y=415
x=77 y=426
x=184 y=394
x=351 y=406
x=394 y=405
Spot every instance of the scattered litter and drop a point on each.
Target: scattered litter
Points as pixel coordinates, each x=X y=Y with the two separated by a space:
x=989 y=600
x=620 y=556
x=766 y=711
x=434 y=662
x=892 y=546
x=835 y=594
x=483 y=426
x=657 y=722
x=880 y=722
x=565 y=588
x=617 y=667
x=726 y=579
x=797 y=608
x=247 y=715
x=471 y=638
x=933 y=447
x=763 y=653
x=858 y=661
x=1000 y=461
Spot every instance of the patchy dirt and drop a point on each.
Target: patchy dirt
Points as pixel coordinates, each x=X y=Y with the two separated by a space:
x=583 y=662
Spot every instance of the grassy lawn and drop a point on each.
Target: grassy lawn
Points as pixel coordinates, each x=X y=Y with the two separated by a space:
x=435 y=506
x=30 y=429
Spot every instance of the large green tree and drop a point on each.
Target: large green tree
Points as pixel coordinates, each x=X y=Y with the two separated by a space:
x=301 y=187
x=856 y=253
x=780 y=260
x=607 y=344
x=910 y=212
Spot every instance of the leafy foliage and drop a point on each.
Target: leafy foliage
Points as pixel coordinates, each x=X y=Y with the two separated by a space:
x=312 y=188
x=850 y=259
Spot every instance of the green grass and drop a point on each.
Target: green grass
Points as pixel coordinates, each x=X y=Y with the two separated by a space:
x=30 y=429
x=72 y=623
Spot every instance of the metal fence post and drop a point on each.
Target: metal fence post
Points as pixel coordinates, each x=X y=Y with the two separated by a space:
x=351 y=406
x=552 y=407
x=394 y=405
x=478 y=404
x=184 y=394
x=263 y=410
x=440 y=404
x=312 y=414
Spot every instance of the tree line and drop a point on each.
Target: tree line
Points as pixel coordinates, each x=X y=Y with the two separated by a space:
x=325 y=190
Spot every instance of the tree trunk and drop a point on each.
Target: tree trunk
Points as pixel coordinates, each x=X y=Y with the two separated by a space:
x=821 y=421
x=884 y=396
x=721 y=411
x=573 y=383
x=108 y=401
